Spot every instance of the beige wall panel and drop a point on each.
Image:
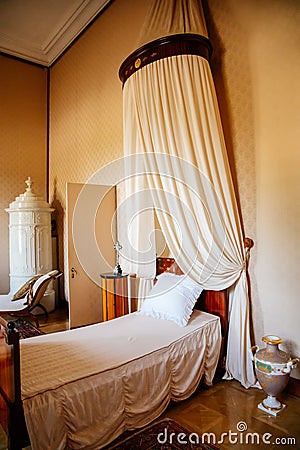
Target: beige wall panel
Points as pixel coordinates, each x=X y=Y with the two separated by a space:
x=256 y=68
x=86 y=129
x=23 y=89
x=86 y=97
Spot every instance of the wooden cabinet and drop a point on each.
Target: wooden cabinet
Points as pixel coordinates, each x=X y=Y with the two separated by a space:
x=115 y=295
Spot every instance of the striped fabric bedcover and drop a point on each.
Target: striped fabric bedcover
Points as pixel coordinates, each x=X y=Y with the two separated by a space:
x=82 y=388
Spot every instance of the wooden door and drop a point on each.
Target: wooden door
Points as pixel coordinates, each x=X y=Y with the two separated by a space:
x=90 y=240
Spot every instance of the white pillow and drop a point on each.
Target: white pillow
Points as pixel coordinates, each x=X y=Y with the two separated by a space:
x=173 y=297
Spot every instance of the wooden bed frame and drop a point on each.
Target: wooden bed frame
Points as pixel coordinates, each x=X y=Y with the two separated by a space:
x=12 y=417
x=213 y=302
x=11 y=408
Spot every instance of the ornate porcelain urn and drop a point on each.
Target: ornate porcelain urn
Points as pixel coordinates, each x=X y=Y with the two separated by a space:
x=272 y=367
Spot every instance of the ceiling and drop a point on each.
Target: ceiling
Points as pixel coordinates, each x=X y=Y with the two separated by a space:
x=40 y=30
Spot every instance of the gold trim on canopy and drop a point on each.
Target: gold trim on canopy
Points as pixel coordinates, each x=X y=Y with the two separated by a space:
x=177 y=44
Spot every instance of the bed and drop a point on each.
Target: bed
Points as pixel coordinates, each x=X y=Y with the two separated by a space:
x=82 y=388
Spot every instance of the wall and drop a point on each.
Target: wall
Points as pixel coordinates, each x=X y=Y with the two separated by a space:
x=256 y=69
x=86 y=97
x=23 y=119
x=86 y=103
x=278 y=161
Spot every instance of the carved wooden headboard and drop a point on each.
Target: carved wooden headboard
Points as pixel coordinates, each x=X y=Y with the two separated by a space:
x=213 y=302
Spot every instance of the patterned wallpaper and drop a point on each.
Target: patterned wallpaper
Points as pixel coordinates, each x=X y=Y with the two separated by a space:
x=86 y=103
x=86 y=97
x=256 y=68
x=22 y=142
x=232 y=75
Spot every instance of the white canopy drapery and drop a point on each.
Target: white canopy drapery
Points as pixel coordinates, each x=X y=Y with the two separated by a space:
x=171 y=116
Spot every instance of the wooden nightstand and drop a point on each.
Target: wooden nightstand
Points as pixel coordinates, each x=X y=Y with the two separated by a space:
x=115 y=295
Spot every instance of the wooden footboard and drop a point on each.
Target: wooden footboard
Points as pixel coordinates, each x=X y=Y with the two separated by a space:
x=11 y=409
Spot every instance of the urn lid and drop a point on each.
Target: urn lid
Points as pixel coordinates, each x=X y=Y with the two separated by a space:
x=272 y=339
x=28 y=201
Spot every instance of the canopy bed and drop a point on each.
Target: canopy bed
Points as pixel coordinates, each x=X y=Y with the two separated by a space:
x=177 y=167
x=83 y=387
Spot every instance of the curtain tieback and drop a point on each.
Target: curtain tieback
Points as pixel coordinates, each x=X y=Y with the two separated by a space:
x=248 y=244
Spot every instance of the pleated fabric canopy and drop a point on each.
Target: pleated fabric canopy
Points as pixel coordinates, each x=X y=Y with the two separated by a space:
x=177 y=166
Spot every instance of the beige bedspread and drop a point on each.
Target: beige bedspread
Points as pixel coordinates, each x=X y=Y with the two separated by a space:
x=84 y=387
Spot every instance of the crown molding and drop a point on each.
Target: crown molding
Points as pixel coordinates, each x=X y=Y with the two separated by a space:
x=44 y=53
